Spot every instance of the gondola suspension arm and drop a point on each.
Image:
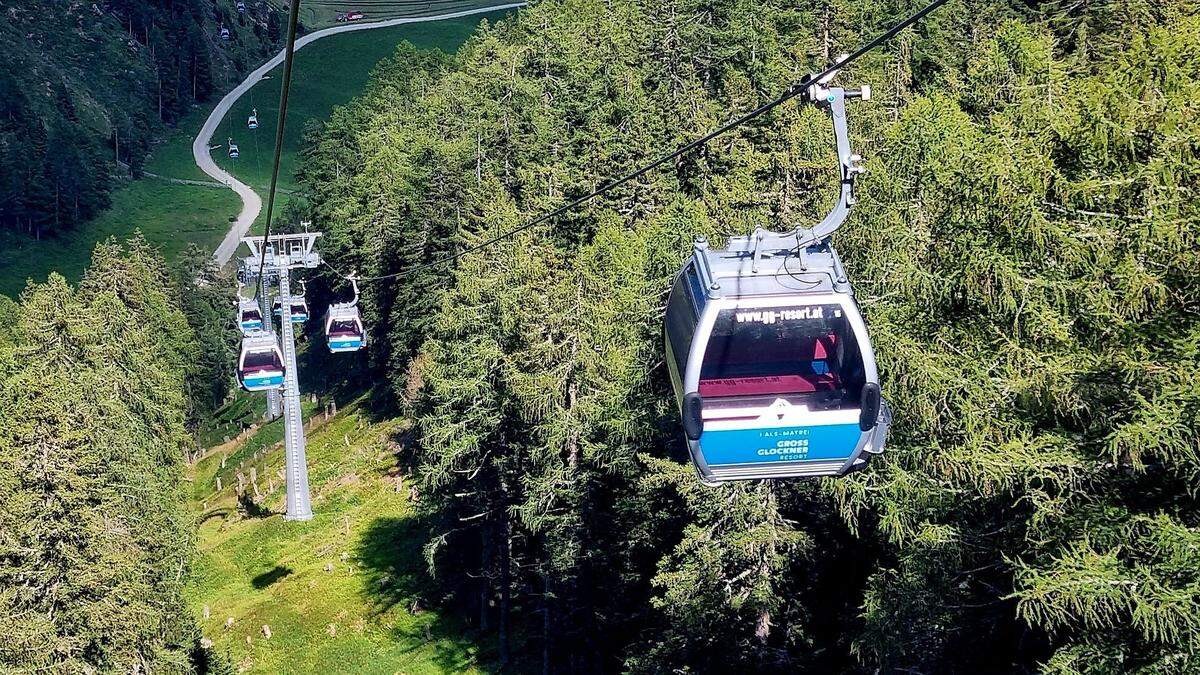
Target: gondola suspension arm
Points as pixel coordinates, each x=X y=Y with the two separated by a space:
x=833 y=100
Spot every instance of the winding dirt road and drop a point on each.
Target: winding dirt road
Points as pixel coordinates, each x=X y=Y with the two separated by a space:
x=251 y=202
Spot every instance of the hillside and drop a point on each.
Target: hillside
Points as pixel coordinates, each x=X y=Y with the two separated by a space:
x=501 y=480
x=328 y=74
x=86 y=90
x=345 y=592
x=173 y=215
x=1024 y=252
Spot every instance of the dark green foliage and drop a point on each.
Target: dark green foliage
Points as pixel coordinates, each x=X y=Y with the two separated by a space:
x=207 y=298
x=1025 y=250
x=95 y=543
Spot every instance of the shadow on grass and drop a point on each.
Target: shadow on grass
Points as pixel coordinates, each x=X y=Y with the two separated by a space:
x=269 y=577
x=214 y=513
x=251 y=508
x=395 y=576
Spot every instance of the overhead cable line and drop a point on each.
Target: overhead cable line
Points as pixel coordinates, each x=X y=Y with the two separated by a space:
x=792 y=92
x=289 y=57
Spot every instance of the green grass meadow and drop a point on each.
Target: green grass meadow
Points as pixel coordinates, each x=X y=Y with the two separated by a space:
x=168 y=214
x=327 y=73
x=342 y=592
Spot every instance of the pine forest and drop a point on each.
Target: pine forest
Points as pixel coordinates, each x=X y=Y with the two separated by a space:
x=1024 y=250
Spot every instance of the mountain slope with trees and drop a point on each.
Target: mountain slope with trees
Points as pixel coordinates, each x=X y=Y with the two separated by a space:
x=87 y=88
x=1025 y=250
x=95 y=543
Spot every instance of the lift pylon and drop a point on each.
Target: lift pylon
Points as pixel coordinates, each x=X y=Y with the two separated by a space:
x=299 y=503
x=284 y=252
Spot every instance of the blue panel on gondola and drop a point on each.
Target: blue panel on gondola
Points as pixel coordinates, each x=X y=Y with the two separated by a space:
x=337 y=345
x=780 y=444
x=265 y=382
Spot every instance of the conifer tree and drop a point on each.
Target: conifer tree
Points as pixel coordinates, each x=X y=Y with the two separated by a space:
x=1024 y=252
x=95 y=545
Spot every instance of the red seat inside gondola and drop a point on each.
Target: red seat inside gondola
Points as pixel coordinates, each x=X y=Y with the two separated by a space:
x=344 y=328
x=781 y=368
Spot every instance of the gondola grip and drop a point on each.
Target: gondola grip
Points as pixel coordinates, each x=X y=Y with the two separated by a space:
x=693 y=417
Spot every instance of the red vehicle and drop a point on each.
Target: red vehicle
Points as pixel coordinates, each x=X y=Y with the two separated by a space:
x=354 y=16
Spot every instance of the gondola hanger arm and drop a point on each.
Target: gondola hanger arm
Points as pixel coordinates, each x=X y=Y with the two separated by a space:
x=833 y=100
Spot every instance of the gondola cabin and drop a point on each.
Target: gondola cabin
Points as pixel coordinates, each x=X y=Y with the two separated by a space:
x=297 y=309
x=260 y=366
x=250 y=317
x=772 y=366
x=224 y=33
x=344 y=329
x=252 y=121
x=241 y=7
x=233 y=150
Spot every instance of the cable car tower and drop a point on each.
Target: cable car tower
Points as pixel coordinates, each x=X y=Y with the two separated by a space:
x=285 y=252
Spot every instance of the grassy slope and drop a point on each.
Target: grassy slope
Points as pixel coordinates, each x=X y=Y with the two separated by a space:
x=167 y=214
x=260 y=569
x=327 y=73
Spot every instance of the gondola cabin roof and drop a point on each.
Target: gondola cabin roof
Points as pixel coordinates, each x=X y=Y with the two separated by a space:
x=260 y=341
x=734 y=272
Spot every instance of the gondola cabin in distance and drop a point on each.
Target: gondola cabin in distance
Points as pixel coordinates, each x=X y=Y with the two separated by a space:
x=250 y=318
x=297 y=308
x=768 y=354
x=344 y=329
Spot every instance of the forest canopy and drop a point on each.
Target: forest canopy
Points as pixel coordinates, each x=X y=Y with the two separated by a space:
x=1025 y=253
x=95 y=544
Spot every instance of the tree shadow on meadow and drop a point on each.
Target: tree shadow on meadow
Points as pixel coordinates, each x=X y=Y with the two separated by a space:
x=393 y=565
x=270 y=577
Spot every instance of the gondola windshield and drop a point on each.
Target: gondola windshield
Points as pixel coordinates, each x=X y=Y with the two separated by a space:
x=340 y=328
x=806 y=354
x=261 y=361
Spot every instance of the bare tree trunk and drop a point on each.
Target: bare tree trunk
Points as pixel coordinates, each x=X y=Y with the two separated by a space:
x=545 y=625
x=485 y=574
x=505 y=583
x=762 y=627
